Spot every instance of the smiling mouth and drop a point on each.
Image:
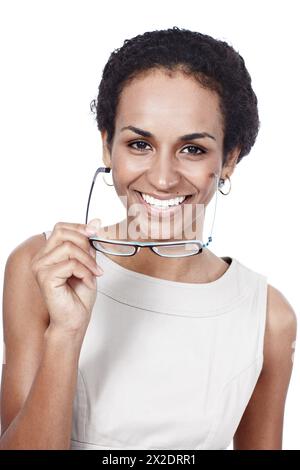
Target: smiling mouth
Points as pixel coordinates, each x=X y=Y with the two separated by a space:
x=164 y=207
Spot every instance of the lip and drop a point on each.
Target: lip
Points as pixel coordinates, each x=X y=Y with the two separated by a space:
x=164 y=198
x=164 y=211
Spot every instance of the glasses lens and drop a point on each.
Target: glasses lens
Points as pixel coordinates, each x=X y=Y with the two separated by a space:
x=114 y=248
x=184 y=249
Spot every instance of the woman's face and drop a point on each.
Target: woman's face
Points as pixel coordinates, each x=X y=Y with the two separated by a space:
x=163 y=164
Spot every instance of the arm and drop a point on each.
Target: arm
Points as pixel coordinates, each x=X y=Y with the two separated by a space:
x=261 y=426
x=40 y=370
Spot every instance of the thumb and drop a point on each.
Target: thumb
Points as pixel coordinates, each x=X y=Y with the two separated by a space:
x=95 y=224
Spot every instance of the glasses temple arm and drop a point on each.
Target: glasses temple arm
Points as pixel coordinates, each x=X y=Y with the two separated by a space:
x=210 y=236
x=101 y=169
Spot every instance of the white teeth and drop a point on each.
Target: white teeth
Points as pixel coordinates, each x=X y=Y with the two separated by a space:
x=162 y=203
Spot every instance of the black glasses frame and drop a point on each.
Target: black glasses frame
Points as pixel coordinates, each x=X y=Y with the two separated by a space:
x=152 y=245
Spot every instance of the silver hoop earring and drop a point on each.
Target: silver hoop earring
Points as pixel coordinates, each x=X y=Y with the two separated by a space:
x=103 y=177
x=221 y=184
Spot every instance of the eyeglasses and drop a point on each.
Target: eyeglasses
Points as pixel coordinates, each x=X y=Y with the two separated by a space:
x=177 y=249
x=165 y=249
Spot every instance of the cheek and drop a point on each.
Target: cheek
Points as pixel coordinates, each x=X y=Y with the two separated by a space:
x=206 y=184
x=123 y=177
x=125 y=171
x=210 y=186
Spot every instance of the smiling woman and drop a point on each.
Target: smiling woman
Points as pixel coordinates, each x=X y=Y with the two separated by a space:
x=166 y=353
x=168 y=162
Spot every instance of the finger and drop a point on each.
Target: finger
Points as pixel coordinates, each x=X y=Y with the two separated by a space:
x=57 y=274
x=62 y=234
x=70 y=225
x=68 y=250
x=95 y=224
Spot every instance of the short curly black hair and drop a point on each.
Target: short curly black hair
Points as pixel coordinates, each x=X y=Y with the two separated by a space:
x=214 y=63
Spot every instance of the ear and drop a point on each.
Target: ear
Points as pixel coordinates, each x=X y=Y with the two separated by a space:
x=105 y=150
x=231 y=160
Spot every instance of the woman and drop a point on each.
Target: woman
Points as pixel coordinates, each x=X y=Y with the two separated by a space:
x=187 y=352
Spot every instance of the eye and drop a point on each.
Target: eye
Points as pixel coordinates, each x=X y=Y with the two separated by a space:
x=138 y=142
x=195 y=147
x=202 y=150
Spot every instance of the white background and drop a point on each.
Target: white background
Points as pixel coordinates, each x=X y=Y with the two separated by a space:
x=52 y=56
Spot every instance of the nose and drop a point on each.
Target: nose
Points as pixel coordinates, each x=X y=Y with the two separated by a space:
x=163 y=174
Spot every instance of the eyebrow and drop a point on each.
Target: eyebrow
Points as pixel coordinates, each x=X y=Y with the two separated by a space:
x=194 y=135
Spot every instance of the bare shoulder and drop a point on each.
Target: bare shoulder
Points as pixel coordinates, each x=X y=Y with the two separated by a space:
x=281 y=321
x=261 y=426
x=280 y=337
x=19 y=282
x=27 y=248
x=21 y=294
x=25 y=319
x=18 y=275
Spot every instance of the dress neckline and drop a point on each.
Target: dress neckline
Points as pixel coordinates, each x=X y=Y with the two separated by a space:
x=134 y=274
x=162 y=296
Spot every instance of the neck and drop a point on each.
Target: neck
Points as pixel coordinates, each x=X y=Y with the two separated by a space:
x=201 y=268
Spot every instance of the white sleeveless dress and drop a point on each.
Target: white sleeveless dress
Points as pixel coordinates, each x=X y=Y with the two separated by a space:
x=166 y=364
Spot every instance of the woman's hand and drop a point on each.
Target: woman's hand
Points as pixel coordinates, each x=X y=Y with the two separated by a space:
x=65 y=270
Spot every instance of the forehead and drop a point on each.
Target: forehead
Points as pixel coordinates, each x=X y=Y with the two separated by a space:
x=159 y=101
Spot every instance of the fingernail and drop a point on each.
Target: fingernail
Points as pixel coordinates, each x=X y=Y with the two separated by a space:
x=99 y=270
x=91 y=230
x=95 y=224
x=92 y=252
